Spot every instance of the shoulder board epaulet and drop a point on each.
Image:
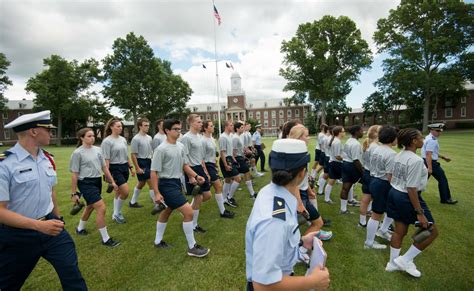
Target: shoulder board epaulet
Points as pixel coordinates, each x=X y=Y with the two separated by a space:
x=50 y=158
x=4 y=155
x=279 y=208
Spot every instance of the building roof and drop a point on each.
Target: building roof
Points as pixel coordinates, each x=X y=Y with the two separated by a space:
x=20 y=104
x=251 y=104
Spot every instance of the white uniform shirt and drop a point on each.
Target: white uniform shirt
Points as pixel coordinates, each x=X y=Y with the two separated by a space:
x=352 y=150
x=367 y=154
x=335 y=149
x=381 y=161
x=409 y=170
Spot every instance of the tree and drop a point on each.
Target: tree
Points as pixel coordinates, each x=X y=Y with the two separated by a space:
x=4 y=80
x=61 y=85
x=429 y=46
x=324 y=58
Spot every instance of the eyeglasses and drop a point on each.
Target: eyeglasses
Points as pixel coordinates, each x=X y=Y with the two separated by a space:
x=176 y=129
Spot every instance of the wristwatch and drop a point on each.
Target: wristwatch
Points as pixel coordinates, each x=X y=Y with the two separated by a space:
x=419 y=211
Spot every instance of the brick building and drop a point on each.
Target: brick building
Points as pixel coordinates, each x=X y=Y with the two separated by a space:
x=270 y=113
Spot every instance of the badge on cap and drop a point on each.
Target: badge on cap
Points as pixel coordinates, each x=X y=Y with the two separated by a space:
x=32 y=120
x=436 y=126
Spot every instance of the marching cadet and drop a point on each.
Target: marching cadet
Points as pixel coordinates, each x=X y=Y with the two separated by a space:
x=238 y=146
x=210 y=151
x=141 y=153
x=430 y=155
x=335 y=164
x=167 y=167
x=115 y=150
x=272 y=237
x=160 y=135
x=228 y=164
x=30 y=224
x=87 y=165
x=250 y=151
x=381 y=162
x=405 y=204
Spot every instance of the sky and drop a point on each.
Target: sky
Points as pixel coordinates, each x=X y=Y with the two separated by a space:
x=181 y=31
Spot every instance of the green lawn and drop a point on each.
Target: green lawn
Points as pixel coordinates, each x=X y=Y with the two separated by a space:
x=137 y=265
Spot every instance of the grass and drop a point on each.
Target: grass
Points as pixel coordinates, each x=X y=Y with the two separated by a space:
x=137 y=265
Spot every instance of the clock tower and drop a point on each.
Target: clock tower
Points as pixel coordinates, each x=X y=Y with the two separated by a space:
x=236 y=99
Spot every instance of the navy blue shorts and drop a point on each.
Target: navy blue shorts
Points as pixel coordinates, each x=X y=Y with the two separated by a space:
x=322 y=158
x=350 y=174
x=335 y=170
x=90 y=188
x=326 y=164
x=399 y=207
x=365 y=181
x=119 y=173
x=211 y=169
x=205 y=187
x=145 y=165
x=243 y=167
x=233 y=172
x=317 y=157
x=313 y=212
x=171 y=191
x=379 y=190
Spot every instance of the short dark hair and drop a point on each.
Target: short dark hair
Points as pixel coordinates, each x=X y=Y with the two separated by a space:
x=283 y=178
x=354 y=129
x=157 y=124
x=237 y=125
x=387 y=134
x=140 y=121
x=324 y=127
x=168 y=123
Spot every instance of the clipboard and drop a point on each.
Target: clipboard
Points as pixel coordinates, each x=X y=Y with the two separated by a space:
x=318 y=256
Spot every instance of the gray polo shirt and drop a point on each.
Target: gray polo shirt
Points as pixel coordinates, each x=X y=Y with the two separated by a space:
x=381 y=161
x=168 y=160
x=141 y=146
x=210 y=148
x=193 y=148
x=158 y=139
x=115 y=149
x=225 y=144
x=335 y=149
x=408 y=171
x=88 y=162
x=238 y=145
x=352 y=151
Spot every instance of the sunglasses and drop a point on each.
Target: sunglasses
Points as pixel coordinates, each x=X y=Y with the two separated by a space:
x=176 y=129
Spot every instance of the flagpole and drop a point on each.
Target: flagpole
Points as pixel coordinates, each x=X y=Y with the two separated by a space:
x=217 y=76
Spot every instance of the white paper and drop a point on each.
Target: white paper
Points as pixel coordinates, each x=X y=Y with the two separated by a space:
x=318 y=256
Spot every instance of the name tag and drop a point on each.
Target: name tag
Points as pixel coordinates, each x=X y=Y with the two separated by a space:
x=26 y=170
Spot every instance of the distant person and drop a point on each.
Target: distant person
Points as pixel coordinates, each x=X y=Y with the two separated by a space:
x=228 y=164
x=335 y=148
x=257 y=143
x=160 y=135
x=243 y=168
x=430 y=154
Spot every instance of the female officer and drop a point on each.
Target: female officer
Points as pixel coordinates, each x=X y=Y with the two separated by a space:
x=87 y=164
x=115 y=150
x=351 y=166
x=381 y=160
x=335 y=162
x=369 y=145
x=272 y=237
x=405 y=204
x=210 y=150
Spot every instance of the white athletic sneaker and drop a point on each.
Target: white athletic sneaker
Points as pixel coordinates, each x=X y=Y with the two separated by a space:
x=408 y=267
x=385 y=235
x=391 y=267
x=375 y=246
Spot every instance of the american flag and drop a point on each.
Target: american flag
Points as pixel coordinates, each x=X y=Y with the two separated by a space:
x=216 y=14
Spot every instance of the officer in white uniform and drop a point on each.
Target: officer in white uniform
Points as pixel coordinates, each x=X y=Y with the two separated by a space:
x=272 y=237
x=30 y=224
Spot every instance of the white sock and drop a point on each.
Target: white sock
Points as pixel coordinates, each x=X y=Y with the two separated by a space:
x=116 y=207
x=220 y=202
x=387 y=221
x=104 y=234
x=120 y=204
x=250 y=187
x=195 y=218
x=369 y=208
x=152 y=196
x=362 y=219
x=394 y=253
x=314 y=202
x=372 y=226
x=189 y=233
x=313 y=173
x=82 y=225
x=343 y=205
x=411 y=253
x=160 y=231
x=136 y=192
x=321 y=183
x=225 y=190
x=233 y=188
x=351 y=193
x=327 y=192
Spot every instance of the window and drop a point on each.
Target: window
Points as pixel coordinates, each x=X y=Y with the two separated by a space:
x=251 y=114
x=274 y=132
x=274 y=122
x=297 y=113
x=448 y=112
x=214 y=116
x=5 y=115
x=274 y=114
x=208 y=108
x=288 y=113
x=281 y=122
x=265 y=123
x=257 y=115
x=463 y=111
x=281 y=113
x=448 y=103
x=208 y=116
x=265 y=114
x=463 y=99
